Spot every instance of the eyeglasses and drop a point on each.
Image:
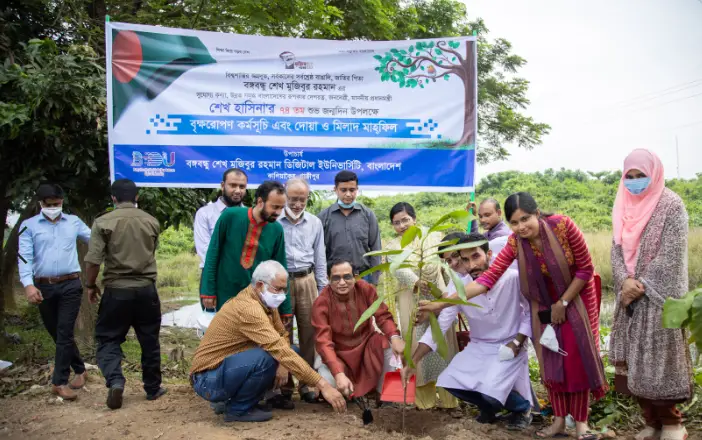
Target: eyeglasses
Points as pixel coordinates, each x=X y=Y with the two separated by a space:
x=273 y=289
x=337 y=278
x=296 y=200
x=403 y=222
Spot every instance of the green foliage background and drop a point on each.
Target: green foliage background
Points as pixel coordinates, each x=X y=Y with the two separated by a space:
x=586 y=197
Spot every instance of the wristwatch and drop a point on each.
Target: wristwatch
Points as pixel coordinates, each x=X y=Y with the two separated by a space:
x=516 y=342
x=564 y=302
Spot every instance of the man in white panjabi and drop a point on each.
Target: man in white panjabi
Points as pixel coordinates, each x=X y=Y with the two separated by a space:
x=492 y=372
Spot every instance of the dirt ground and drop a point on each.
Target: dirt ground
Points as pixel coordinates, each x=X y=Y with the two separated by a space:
x=183 y=415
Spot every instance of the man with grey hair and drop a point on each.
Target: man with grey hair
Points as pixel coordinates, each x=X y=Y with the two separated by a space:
x=307 y=266
x=246 y=351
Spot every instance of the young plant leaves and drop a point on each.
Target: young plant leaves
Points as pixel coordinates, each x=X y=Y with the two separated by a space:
x=438 y=337
x=369 y=311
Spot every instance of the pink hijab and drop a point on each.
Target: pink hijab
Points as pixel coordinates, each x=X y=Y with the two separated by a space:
x=631 y=213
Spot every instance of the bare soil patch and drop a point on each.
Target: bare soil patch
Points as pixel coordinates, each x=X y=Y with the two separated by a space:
x=183 y=415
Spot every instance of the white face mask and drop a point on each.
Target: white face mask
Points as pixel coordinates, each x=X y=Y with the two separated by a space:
x=505 y=353
x=289 y=212
x=549 y=340
x=52 y=213
x=272 y=300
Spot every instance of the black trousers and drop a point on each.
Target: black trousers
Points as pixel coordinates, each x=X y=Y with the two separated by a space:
x=120 y=309
x=59 y=311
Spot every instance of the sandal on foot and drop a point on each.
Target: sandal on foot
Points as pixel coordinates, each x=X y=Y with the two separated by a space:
x=649 y=433
x=680 y=434
x=589 y=436
x=542 y=434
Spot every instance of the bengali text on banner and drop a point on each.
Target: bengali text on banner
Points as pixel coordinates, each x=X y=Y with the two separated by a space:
x=184 y=106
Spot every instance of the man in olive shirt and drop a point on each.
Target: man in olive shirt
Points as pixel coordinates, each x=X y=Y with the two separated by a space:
x=125 y=240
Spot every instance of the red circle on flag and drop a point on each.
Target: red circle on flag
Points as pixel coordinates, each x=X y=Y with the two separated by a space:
x=126 y=56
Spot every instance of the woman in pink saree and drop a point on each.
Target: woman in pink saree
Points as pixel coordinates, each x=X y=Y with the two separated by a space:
x=556 y=275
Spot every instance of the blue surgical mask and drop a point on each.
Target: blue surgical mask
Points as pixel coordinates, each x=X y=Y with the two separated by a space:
x=637 y=186
x=346 y=206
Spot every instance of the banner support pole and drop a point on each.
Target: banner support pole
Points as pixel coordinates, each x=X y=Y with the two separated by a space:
x=469 y=227
x=472 y=193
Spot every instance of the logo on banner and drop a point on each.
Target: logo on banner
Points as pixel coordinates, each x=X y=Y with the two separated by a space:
x=291 y=63
x=153 y=159
x=152 y=163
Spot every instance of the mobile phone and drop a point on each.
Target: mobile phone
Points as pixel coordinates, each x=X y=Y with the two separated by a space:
x=545 y=316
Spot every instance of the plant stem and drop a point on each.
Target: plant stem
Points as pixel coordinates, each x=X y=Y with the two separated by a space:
x=404 y=405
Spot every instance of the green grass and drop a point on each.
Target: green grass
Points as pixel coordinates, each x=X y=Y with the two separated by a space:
x=178 y=276
x=600 y=246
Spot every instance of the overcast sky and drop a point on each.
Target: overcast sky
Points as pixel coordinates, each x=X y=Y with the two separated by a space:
x=608 y=76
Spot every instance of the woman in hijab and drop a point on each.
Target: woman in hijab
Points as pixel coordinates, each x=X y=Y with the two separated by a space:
x=649 y=264
x=556 y=275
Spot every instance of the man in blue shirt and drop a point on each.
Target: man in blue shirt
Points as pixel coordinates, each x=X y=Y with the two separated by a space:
x=50 y=273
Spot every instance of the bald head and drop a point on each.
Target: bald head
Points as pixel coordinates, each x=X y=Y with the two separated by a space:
x=493 y=202
x=489 y=214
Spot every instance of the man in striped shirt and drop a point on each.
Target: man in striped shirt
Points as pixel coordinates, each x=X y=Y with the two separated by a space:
x=246 y=351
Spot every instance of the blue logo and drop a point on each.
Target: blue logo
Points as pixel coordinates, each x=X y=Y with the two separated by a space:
x=153 y=159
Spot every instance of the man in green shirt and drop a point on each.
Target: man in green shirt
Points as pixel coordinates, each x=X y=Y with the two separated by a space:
x=125 y=240
x=243 y=238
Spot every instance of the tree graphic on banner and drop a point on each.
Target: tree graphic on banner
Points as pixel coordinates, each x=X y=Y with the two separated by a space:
x=423 y=63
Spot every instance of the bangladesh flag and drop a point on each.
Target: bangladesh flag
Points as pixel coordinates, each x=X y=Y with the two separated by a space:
x=144 y=64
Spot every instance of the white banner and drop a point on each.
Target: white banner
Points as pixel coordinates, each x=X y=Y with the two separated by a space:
x=186 y=105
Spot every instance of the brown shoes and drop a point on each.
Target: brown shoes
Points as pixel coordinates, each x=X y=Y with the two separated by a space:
x=64 y=392
x=78 y=382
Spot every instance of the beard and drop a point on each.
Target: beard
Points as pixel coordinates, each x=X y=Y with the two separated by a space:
x=269 y=217
x=475 y=273
x=230 y=202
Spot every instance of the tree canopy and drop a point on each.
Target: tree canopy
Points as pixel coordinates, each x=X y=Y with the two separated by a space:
x=52 y=113
x=52 y=83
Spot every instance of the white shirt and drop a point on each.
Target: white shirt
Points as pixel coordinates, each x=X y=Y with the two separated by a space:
x=496 y=245
x=503 y=314
x=203 y=226
x=304 y=246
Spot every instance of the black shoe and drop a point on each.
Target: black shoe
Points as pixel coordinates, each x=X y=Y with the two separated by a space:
x=520 y=421
x=486 y=417
x=253 y=415
x=114 y=397
x=153 y=396
x=218 y=407
x=281 y=402
x=307 y=395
